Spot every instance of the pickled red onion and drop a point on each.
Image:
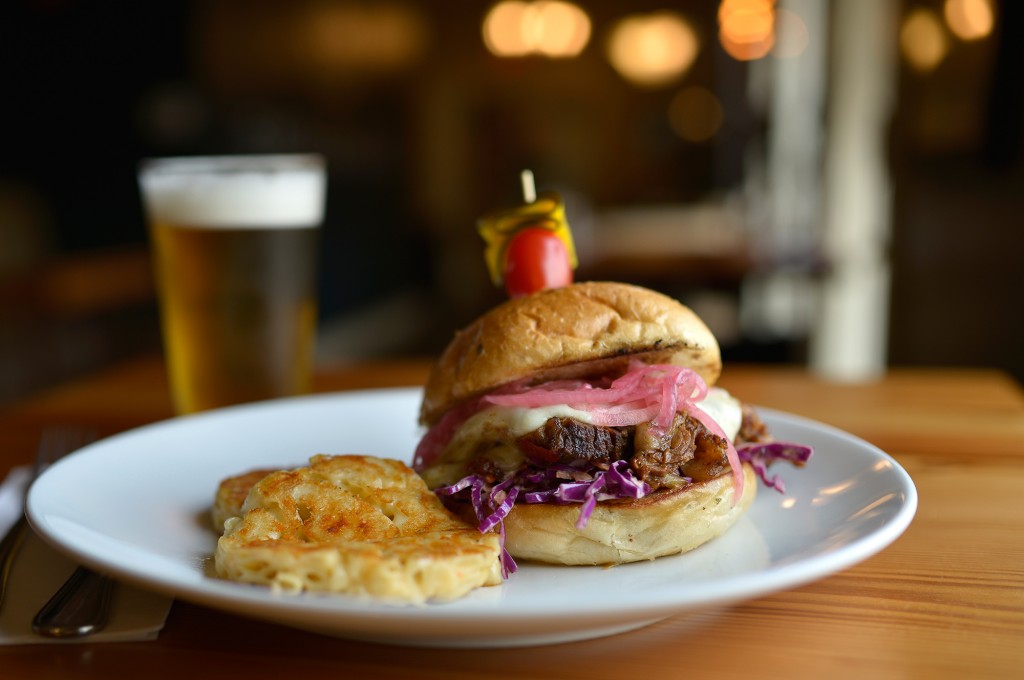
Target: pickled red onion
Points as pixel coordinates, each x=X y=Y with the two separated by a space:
x=438 y=436
x=657 y=392
x=651 y=393
x=730 y=451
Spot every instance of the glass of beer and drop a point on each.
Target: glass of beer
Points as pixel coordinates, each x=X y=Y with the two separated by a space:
x=234 y=242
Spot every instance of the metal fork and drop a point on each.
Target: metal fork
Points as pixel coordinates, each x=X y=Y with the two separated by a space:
x=82 y=605
x=53 y=444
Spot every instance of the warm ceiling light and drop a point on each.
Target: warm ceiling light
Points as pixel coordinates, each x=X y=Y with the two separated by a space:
x=747 y=20
x=558 y=29
x=746 y=28
x=746 y=51
x=695 y=114
x=550 y=28
x=922 y=40
x=503 y=33
x=969 y=19
x=652 y=49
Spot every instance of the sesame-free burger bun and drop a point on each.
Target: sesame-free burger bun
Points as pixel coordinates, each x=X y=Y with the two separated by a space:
x=584 y=329
x=662 y=523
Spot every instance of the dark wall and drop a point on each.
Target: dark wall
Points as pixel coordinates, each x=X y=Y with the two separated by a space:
x=958 y=242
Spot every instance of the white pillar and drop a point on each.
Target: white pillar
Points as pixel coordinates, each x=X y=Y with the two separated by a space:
x=850 y=333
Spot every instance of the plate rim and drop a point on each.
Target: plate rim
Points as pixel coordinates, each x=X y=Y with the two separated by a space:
x=244 y=600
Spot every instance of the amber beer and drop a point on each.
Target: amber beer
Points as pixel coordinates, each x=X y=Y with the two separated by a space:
x=234 y=243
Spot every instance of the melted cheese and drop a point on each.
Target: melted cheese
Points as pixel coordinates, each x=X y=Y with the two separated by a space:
x=724 y=409
x=520 y=421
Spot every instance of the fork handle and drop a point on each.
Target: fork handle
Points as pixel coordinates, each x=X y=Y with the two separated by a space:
x=8 y=547
x=80 y=607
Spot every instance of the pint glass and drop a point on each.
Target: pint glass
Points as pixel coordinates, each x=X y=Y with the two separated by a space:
x=234 y=243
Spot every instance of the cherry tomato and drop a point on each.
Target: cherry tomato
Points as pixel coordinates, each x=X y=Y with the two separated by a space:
x=535 y=259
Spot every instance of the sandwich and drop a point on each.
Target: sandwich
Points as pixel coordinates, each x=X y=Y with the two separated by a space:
x=583 y=424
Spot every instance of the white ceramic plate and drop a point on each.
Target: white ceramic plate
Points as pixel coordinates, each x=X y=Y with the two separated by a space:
x=136 y=505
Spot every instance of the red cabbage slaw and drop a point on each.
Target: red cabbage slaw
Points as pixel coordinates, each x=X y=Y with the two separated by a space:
x=564 y=484
x=761 y=455
x=560 y=484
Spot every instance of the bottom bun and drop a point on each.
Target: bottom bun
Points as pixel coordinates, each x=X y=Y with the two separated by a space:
x=662 y=523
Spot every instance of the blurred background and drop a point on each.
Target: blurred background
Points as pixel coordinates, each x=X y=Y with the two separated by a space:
x=830 y=183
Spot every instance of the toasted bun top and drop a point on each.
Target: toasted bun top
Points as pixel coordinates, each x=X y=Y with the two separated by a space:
x=586 y=329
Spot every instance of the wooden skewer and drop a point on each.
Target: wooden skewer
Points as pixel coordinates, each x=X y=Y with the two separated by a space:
x=529 y=188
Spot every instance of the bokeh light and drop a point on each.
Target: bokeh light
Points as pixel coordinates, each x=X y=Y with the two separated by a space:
x=969 y=19
x=550 y=28
x=695 y=114
x=654 y=49
x=923 y=40
x=746 y=28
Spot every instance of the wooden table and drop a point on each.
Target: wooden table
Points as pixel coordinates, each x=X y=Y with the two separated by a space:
x=945 y=600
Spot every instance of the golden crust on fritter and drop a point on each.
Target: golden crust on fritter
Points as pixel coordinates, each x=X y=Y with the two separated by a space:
x=231 y=494
x=358 y=525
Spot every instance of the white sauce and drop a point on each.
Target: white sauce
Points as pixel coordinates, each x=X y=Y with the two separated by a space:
x=521 y=420
x=724 y=409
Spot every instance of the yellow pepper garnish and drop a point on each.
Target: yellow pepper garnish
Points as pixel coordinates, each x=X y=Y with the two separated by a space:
x=498 y=228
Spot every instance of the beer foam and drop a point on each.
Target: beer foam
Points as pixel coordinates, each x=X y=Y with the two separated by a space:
x=234 y=193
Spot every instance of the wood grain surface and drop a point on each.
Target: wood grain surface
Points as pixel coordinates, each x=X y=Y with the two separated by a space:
x=946 y=600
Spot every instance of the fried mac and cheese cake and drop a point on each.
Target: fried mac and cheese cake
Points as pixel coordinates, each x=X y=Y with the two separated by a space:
x=351 y=524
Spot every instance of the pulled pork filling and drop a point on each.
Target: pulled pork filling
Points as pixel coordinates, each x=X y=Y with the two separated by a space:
x=685 y=452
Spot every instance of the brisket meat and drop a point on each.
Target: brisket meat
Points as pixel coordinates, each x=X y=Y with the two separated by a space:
x=752 y=428
x=568 y=441
x=685 y=449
